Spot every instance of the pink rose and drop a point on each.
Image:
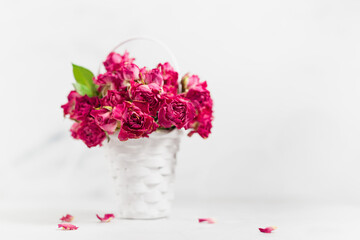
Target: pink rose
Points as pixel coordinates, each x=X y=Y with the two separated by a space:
x=113 y=97
x=146 y=95
x=114 y=61
x=70 y=105
x=118 y=79
x=177 y=111
x=83 y=107
x=134 y=122
x=129 y=72
x=188 y=81
x=193 y=80
x=202 y=124
x=170 y=77
x=109 y=81
x=104 y=120
x=152 y=76
x=89 y=132
x=199 y=96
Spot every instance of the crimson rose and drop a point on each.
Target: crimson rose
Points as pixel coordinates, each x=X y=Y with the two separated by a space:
x=134 y=122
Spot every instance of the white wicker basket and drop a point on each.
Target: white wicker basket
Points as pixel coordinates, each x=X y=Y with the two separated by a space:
x=144 y=172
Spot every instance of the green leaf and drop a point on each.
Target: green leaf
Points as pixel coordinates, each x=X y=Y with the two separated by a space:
x=84 y=81
x=83 y=76
x=83 y=90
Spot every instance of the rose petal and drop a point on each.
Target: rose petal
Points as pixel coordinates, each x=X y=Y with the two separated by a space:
x=107 y=217
x=67 y=226
x=268 y=229
x=207 y=220
x=67 y=218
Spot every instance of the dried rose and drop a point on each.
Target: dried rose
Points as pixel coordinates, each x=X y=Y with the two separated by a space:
x=147 y=93
x=89 y=132
x=152 y=76
x=114 y=61
x=103 y=118
x=83 y=107
x=199 y=96
x=134 y=122
x=113 y=97
x=170 y=77
x=109 y=81
x=202 y=123
x=70 y=105
x=176 y=111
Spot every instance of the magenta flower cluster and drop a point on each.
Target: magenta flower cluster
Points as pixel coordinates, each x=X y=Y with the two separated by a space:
x=133 y=102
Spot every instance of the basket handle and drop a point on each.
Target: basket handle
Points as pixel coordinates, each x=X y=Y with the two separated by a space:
x=167 y=49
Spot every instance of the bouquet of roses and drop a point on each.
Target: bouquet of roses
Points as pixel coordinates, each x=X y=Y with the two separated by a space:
x=133 y=102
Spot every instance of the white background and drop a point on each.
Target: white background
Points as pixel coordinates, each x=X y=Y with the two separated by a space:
x=284 y=76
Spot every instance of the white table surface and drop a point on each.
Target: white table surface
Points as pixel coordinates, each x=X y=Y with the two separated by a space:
x=235 y=220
